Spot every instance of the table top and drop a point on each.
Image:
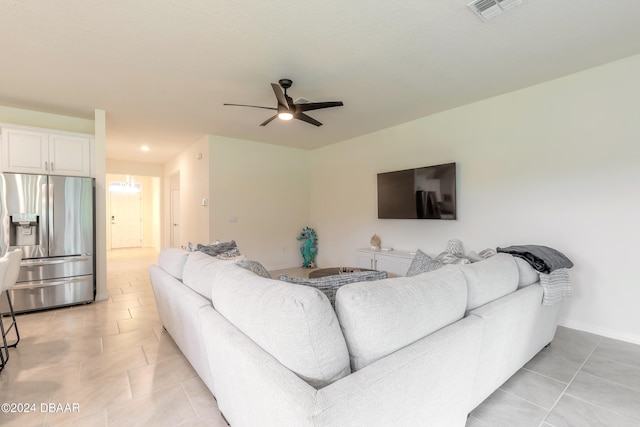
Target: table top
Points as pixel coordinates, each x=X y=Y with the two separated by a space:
x=332 y=271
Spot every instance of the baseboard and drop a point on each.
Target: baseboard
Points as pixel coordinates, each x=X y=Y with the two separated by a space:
x=605 y=332
x=102 y=297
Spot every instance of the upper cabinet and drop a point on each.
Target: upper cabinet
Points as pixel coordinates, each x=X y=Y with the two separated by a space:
x=40 y=151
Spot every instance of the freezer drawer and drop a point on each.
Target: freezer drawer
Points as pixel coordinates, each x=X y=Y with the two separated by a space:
x=53 y=268
x=49 y=293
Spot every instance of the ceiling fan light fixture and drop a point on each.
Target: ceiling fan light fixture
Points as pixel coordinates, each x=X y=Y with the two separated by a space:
x=284 y=114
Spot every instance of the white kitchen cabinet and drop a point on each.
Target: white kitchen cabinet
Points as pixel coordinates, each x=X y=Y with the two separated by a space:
x=43 y=151
x=391 y=261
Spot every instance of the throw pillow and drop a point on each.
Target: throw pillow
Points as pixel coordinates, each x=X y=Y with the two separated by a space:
x=232 y=254
x=215 y=249
x=255 y=267
x=422 y=263
x=447 y=258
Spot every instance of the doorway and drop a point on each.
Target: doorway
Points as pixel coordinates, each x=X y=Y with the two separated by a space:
x=134 y=197
x=125 y=215
x=174 y=210
x=175 y=217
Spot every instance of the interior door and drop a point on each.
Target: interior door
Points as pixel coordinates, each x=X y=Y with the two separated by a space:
x=175 y=217
x=126 y=220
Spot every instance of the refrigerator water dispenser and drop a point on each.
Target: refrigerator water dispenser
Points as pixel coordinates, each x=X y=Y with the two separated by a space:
x=24 y=229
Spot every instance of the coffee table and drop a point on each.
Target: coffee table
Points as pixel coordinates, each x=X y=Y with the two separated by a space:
x=332 y=271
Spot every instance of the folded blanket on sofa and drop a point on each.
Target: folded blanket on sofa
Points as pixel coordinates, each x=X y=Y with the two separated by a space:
x=555 y=286
x=542 y=258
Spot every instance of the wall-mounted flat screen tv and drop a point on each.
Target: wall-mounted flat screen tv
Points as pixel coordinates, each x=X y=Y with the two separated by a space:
x=422 y=193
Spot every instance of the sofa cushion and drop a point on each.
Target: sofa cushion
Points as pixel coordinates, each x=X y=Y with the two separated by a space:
x=329 y=285
x=378 y=318
x=200 y=271
x=295 y=324
x=172 y=261
x=490 y=279
x=527 y=274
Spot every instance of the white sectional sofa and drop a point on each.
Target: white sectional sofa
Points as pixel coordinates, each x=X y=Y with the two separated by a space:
x=406 y=351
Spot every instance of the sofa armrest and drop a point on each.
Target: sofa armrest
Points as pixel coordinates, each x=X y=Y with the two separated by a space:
x=178 y=310
x=430 y=379
x=517 y=327
x=253 y=388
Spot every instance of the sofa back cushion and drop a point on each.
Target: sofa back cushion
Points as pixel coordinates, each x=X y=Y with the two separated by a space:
x=200 y=271
x=172 y=261
x=293 y=323
x=528 y=275
x=490 y=279
x=378 y=318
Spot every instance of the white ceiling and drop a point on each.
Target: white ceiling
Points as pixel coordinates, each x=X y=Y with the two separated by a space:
x=163 y=69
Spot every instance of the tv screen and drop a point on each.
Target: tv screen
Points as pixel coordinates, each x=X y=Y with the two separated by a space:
x=422 y=193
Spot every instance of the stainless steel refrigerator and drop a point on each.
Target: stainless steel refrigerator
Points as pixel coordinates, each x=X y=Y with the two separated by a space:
x=51 y=218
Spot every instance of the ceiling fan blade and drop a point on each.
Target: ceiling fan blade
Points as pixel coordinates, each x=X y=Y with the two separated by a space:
x=266 y=122
x=282 y=100
x=305 y=118
x=318 y=105
x=252 y=106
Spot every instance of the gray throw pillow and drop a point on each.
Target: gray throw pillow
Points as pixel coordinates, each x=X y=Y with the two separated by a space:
x=255 y=267
x=216 y=249
x=423 y=263
x=232 y=254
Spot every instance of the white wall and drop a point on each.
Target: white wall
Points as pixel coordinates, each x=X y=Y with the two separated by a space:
x=125 y=167
x=192 y=165
x=100 y=174
x=19 y=116
x=556 y=164
x=259 y=198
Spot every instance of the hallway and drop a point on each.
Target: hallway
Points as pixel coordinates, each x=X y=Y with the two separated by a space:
x=110 y=361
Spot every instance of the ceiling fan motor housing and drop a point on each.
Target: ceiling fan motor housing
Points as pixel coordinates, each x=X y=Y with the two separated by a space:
x=285 y=83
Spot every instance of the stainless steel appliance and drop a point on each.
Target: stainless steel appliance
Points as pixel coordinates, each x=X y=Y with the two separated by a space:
x=51 y=218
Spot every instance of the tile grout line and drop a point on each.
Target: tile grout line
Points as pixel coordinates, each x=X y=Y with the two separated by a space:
x=570 y=381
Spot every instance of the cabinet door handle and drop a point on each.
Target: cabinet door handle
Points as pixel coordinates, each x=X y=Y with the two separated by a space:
x=46 y=165
x=51 y=166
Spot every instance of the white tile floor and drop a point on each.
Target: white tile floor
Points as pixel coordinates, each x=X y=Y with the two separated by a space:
x=580 y=380
x=111 y=361
x=114 y=365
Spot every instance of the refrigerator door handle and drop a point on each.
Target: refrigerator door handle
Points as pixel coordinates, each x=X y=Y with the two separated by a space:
x=31 y=263
x=41 y=283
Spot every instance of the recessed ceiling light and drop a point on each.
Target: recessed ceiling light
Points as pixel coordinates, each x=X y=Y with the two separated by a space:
x=145 y=148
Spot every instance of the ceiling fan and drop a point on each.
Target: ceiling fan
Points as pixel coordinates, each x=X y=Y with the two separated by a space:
x=287 y=110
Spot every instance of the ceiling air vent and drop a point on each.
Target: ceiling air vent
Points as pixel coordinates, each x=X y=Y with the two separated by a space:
x=487 y=9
